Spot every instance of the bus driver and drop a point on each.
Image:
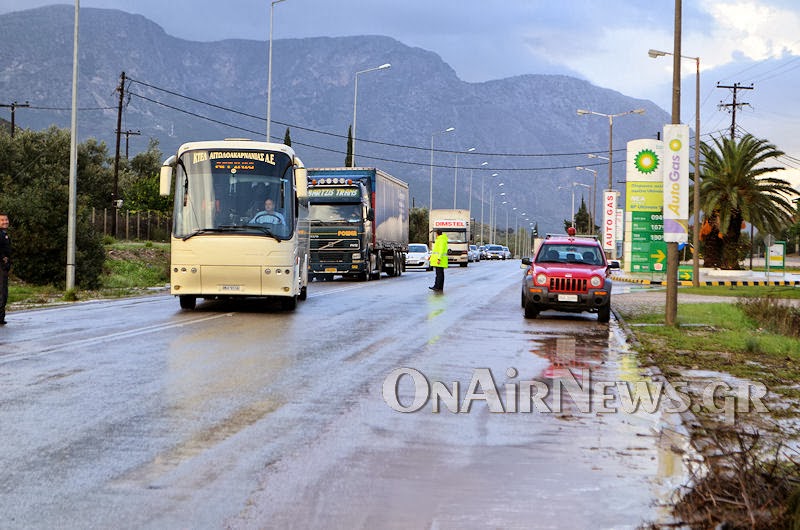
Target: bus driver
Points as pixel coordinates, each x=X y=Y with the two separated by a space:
x=269 y=215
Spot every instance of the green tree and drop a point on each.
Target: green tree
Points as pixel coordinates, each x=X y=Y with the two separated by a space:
x=418 y=225
x=140 y=182
x=34 y=174
x=736 y=187
x=348 y=159
x=582 y=221
x=287 y=138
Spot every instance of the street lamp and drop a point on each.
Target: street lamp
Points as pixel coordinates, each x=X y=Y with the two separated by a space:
x=696 y=235
x=470 y=185
x=483 y=241
x=269 y=68
x=355 y=99
x=573 y=197
x=582 y=112
x=594 y=194
x=430 y=200
x=455 y=181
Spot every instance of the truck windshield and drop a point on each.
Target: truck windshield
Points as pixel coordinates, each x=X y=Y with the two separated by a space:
x=456 y=237
x=329 y=213
x=233 y=193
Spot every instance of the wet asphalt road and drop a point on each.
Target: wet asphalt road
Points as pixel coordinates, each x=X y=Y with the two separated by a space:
x=135 y=414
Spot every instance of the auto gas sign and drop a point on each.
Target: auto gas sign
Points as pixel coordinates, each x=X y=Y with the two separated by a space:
x=676 y=183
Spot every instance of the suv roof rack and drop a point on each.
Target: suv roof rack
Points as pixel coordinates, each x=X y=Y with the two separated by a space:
x=548 y=236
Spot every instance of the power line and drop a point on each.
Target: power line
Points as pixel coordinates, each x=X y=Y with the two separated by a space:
x=341 y=136
x=733 y=106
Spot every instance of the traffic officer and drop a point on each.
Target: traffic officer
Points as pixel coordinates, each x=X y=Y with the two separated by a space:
x=439 y=260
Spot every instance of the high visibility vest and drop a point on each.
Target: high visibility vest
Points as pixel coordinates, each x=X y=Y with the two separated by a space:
x=439 y=252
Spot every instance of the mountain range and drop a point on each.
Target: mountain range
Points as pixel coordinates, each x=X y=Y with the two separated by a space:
x=524 y=128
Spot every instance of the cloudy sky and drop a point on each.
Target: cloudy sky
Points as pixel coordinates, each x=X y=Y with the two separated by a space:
x=744 y=41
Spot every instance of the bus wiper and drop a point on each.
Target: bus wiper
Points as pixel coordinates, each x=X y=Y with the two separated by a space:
x=200 y=232
x=265 y=230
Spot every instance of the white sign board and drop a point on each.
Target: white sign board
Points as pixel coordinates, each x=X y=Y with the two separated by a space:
x=676 y=183
x=609 y=229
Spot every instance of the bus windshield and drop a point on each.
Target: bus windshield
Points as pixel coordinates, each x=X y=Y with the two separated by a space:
x=244 y=191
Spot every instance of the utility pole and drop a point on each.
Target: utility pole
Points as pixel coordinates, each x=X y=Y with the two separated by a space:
x=671 y=303
x=733 y=106
x=128 y=134
x=115 y=193
x=13 y=107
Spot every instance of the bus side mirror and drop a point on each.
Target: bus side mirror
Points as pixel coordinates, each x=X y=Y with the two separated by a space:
x=165 y=183
x=301 y=181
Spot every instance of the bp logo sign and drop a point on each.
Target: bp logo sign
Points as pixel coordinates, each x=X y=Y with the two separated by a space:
x=646 y=161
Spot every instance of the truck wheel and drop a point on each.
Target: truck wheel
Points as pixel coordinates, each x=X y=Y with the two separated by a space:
x=604 y=313
x=364 y=276
x=304 y=292
x=188 y=301
x=464 y=264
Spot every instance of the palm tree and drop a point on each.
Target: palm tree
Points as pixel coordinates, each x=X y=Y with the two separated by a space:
x=736 y=188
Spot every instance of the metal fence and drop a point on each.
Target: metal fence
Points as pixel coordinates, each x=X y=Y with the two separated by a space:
x=132 y=225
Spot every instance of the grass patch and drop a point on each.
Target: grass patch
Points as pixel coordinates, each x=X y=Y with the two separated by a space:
x=135 y=265
x=744 y=291
x=129 y=267
x=718 y=337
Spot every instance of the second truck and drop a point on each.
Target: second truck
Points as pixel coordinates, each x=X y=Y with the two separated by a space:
x=455 y=225
x=359 y=223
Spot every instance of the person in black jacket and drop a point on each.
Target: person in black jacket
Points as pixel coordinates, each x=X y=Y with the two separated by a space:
x=5 y=265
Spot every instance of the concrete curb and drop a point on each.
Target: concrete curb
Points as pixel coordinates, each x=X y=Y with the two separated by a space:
x=726 y=283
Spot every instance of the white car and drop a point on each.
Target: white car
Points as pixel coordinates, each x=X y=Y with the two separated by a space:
x=474 y=253
x=418 y=257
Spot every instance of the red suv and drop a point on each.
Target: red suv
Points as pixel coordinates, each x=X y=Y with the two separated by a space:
x=569 y=273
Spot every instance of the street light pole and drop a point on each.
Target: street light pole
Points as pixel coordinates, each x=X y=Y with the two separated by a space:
x=696 y=235
x=430 y=199
x=269 y=68
x=594 y=195
x=582 y=112
x=455 y=182
x=355 y=99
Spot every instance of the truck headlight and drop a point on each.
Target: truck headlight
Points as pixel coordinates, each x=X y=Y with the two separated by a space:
x=356 y=255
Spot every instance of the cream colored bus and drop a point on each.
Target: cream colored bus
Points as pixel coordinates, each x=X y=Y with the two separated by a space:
x=240 y=224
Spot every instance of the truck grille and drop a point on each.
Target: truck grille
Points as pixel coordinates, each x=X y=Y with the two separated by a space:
x=568 y=285
x=327 y=245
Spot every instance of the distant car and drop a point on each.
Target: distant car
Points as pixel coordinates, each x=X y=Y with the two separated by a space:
x=482 y=252
x=506 y=253
x=495 y=252
x=474 y=253
x=418 y=257
x=569 y=273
